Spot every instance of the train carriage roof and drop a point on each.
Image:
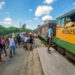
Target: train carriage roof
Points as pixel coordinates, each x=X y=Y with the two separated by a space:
x=72 y=12
x=47 y=22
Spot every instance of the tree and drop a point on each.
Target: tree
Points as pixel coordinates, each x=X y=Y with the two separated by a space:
x=9 y=30
x=23 y=26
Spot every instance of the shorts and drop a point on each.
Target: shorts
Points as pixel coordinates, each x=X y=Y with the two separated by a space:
x=0 y=51
x=49 y=41
x=11 y=48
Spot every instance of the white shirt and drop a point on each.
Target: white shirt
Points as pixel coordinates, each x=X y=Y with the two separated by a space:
x=26 y=39
x=11 y=41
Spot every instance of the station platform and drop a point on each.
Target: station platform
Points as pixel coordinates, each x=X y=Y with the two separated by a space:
x=55 y=63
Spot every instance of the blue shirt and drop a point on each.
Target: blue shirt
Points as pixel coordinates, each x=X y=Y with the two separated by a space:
x=50 y=31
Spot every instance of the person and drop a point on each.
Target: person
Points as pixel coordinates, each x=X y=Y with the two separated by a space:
x=13 y=36
x=33 y=36
x=49 y=40
x=18 y=39
x=23 y=38
x=0 y=50
x=30 y=43
x=15 y=42
x=11 y=46
x=7 y=41
x=25 y=42
x=69 y=23
x=3 y=40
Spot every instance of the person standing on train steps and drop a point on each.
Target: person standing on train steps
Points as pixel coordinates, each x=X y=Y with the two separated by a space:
x=49 y=40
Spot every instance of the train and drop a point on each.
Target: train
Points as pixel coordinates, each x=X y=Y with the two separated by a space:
x=43 y=30
x=64 y=33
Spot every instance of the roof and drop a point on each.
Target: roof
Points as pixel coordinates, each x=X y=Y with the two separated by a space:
x=48 y=22
x=68 y=14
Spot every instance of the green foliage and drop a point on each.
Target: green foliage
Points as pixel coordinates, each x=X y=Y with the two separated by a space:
x=23 y=26
x=5 y=31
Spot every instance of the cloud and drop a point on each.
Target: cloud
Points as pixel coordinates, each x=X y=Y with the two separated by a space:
x=47 y=17
x=73 y=3
x=42 y=10
x=7 y=21
x=31 y=27
x=36 y=19
x=48 y=1
x=2 y=4
x=30 y=10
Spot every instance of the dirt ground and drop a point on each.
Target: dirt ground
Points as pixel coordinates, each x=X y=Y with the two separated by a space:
x=23 y=63
x=12 y=66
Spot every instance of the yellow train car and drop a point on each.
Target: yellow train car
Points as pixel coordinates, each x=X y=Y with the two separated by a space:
x=65 y=34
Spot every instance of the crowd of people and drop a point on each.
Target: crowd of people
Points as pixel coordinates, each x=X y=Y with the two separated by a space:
x=11 y=42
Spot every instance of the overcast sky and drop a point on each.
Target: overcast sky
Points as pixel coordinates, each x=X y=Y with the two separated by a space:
x=32 y=12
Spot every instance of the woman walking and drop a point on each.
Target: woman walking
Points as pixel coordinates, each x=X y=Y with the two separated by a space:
x=3 y=40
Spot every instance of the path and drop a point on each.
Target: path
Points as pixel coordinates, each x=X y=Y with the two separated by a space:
x=32 y=64
x=13 y=66
x=36 y=62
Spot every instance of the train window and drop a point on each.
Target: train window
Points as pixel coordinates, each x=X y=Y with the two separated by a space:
x=70 y=21
x=62 y=22
x=59 y=23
